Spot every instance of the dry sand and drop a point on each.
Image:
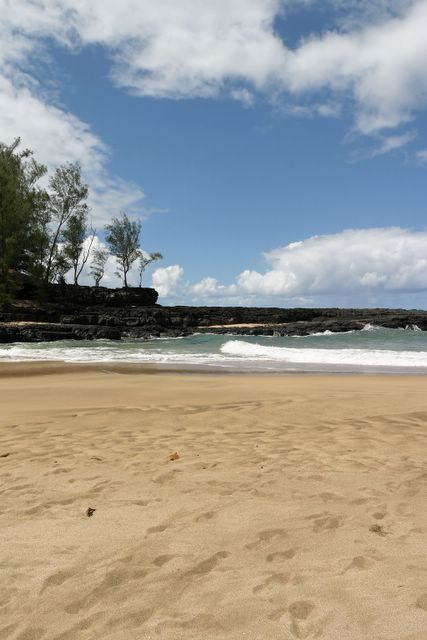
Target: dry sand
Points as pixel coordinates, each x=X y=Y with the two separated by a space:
x=296 y=508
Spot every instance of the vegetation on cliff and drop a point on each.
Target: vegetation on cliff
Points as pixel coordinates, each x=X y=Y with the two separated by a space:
x=45 y=226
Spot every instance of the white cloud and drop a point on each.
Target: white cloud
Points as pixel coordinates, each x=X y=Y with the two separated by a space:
x=55 y=135
x=110 y=196
x=167 y=280
x=369 y=264
x=382 y=66
x=321 y=109
x=244 y=96
x=353 y=268
x=390 y=259
x=392 y=143
x=422 y=156
x=376 y=57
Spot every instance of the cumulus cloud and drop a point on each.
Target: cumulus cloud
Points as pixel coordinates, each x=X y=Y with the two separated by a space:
x=55 y=135
x=368 y=264
x=375 y=57
x=167 y=280
x=381 y=65
x=391 y=259
x=356 y=267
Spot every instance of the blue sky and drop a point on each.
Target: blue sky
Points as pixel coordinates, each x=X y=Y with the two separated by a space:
x=250 y=136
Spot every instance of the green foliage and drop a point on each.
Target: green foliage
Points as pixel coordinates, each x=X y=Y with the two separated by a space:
x=122 y=237
x=74 y=236
x=45 y=232
x=22 y=204
x=146 y=259
x=97 y=267
x=66 y=206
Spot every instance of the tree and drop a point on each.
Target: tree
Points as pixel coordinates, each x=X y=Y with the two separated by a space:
x=21 y=203
x=123 y=241
x=75 y=248
x=144 y=260
x=36 y=255
x=66 y=200
x=97 y=267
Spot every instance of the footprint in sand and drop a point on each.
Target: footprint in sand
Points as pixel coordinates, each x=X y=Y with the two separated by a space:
x=264 y=537
x=281 y=556
x=113 y=580
x=360 y=563
x=206 y=566
x=301 y=609
x=158 y=529
x=58 y=578
x=206 y=516
x=273 y=581
x=304 y=621
x=327 y=523
x=379 y=515
x=163 y=559
x=328 y=496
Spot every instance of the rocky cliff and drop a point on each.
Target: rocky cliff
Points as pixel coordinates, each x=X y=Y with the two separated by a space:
x=88 y=313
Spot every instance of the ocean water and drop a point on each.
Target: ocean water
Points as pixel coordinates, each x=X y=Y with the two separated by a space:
x=370 y=350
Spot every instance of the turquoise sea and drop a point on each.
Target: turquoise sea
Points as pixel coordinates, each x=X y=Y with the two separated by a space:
x=371 y=350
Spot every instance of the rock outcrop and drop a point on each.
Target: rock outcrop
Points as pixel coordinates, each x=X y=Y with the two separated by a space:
x=86 y=313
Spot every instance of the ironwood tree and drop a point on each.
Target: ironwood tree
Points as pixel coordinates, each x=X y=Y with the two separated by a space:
x=122 y=237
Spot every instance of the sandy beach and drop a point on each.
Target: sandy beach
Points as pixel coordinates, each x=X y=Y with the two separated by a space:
x=294 y=508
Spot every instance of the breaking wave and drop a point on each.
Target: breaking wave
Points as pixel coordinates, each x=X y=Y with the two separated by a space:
x=393 y=350
x=352 y=357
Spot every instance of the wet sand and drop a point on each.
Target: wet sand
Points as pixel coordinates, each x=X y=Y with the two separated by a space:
x=295 y=508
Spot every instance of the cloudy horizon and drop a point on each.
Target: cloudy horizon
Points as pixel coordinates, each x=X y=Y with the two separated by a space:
x=275 y=149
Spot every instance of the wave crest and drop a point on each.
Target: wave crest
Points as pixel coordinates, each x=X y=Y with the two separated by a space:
x=354 y=357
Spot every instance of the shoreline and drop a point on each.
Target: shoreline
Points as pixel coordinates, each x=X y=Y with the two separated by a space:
x=56 y=367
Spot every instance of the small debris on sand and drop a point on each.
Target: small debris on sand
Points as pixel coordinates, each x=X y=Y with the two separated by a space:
x=173 y=456
x=378 y=529
x=90 y=511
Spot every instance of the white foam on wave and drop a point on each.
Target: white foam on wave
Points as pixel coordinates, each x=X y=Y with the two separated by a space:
x=101 y=354
x=328 y=333
x=371 y=327
x=352 y=357
x=323 y=333
x=234 y=353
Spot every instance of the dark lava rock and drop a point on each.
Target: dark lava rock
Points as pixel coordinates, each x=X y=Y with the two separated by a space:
x=94 y=296
x=87 y=313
